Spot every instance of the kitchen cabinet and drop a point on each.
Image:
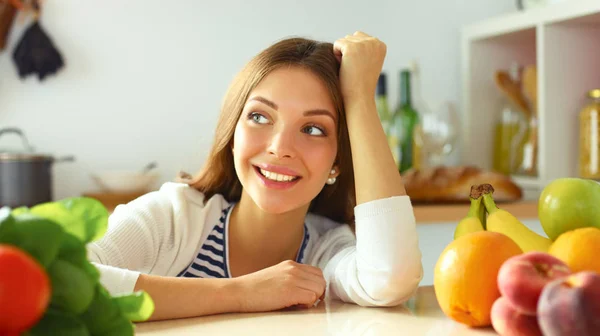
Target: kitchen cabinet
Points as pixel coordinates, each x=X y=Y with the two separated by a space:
x=563 y=41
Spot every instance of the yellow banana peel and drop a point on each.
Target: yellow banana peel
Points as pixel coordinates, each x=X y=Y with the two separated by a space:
x=502 y=221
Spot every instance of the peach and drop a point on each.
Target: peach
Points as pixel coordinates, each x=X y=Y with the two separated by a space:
x=508 y=321
x=522 y=278
x=571 y=306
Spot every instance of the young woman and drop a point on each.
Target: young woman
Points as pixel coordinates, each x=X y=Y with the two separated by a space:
x=299 y=198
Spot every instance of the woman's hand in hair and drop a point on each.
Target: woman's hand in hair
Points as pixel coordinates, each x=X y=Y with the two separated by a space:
x=287 y=284
x=361 y=58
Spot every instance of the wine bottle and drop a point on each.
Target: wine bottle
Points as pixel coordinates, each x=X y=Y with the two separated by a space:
x=420 y=157
x=408 y=118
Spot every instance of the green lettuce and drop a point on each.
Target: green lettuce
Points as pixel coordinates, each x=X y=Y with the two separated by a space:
x=56 y=234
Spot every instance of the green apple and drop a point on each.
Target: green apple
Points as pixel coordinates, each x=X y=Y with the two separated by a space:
x=567 y=204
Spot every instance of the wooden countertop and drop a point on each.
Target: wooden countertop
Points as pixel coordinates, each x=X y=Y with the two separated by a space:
x=421 y=315
x=428 y=214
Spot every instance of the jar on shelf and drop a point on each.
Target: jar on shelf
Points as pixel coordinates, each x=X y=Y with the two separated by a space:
x=589 y=137
x=510 y=137
x=512 y=124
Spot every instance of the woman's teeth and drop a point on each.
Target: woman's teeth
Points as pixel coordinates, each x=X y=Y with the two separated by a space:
x=277 y=177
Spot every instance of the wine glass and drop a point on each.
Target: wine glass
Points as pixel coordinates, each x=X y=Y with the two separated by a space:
x=438 y=133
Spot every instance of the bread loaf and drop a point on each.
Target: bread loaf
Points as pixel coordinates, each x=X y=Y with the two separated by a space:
x=453 y=184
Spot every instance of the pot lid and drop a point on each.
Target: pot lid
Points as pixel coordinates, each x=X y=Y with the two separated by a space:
x=27 y=153
x=8 y=156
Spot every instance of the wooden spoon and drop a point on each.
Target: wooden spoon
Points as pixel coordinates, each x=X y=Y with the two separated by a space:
x=530 y=92
x=530 y=86
x=512 y=91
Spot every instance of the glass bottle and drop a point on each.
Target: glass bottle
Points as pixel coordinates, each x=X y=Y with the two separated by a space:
x=511 y=131
x=420 y=155
x=589 y=137
x=406 y=118
x=510 y=135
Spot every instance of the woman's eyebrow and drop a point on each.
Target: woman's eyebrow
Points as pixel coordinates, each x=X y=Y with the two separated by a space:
x=319 y=112
x=264 y=101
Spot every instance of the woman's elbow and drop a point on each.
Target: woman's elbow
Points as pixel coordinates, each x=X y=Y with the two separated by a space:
x=394 y=288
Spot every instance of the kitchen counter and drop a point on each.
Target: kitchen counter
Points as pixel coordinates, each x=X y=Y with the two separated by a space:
x=443 y=213
x=420 y=316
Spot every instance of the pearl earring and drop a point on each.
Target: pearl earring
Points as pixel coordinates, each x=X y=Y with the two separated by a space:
x=331 y=180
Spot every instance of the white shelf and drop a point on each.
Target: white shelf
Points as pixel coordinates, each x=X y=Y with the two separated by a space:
x=563 y=40
x=567 y=10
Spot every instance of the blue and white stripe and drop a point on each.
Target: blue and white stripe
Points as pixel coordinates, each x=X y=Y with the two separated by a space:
x=211 y=260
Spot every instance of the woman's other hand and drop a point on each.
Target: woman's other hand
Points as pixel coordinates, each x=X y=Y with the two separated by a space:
x=361 y=58
x=281 y=286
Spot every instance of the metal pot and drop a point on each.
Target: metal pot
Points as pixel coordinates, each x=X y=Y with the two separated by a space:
x=25 y=176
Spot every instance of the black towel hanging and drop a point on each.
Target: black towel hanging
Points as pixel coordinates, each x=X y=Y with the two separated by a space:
x=36 y=53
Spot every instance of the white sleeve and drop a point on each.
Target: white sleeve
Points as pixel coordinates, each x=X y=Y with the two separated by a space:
x=131 y=243
x=383 y=267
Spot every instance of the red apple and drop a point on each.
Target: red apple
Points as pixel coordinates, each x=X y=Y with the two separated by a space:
x=508 y=321
x=571 y=306
x=522 y=278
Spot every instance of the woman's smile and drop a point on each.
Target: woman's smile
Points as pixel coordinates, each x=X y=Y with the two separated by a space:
x=276 y=181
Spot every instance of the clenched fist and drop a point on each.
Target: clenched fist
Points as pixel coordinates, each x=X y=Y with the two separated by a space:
x=283 y=285
x=361 y=58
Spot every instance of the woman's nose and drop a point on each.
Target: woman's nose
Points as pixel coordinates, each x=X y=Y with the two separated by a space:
x=282 y=145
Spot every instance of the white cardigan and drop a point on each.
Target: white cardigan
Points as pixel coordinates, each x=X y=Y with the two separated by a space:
x=160 y=233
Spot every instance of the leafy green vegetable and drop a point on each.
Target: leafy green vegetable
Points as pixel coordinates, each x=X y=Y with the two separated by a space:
x=39 y=237
x=8 y=230
x=85 y=218
x=103 y=315
x=121 y=327
x=72 y=288
x=59 y=323
x=136 y=306
x=74 y=252
x=92 y=212
x=19 y=210
x=56 y=234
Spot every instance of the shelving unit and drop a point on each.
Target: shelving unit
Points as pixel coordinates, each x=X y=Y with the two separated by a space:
x=563 y=40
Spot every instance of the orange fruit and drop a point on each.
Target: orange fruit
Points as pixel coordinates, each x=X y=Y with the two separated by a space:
x=578 y=249
x=465 y=276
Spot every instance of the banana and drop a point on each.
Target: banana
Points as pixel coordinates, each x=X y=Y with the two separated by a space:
x=502 y=221
x=473 y=222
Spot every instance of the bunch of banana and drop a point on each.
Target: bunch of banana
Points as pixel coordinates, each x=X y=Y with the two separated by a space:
x=485 y=215
x=502 y=221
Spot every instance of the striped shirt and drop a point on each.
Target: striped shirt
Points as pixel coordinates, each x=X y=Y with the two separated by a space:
x=212 y=261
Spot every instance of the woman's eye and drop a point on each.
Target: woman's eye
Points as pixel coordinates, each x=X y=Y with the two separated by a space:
x=314 y=130
x=258 y=118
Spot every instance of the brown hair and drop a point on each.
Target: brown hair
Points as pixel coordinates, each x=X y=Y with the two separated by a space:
x=218 y=176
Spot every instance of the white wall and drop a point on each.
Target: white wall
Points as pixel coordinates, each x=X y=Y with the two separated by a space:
x=144 y=78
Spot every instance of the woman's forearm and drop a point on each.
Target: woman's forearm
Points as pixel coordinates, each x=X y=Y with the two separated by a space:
x=375 y=172
x=189 y=297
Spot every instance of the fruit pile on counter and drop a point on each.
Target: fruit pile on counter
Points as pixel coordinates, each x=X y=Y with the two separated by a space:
x=499 y=273
x=47 y=284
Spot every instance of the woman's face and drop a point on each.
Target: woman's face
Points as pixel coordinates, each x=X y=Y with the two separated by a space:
x=285 y=141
